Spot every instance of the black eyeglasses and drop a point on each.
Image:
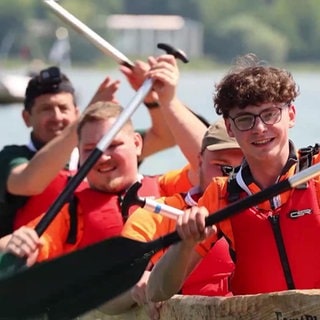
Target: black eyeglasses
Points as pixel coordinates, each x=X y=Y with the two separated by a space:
x=247 y=121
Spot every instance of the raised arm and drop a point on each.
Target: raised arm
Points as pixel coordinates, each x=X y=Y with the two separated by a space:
x=158 y=137
x=185 y=126
x=32 y=177
x=106 y=91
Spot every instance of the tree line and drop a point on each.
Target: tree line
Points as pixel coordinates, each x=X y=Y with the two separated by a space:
x=277 y=30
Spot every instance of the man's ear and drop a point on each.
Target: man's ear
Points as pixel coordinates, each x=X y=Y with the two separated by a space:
x=78 y=112
x=26 y=118
x=227 y=123
x=292 y=116
x=138 y=142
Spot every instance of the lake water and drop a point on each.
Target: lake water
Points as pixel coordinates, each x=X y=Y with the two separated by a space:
x=195 y=89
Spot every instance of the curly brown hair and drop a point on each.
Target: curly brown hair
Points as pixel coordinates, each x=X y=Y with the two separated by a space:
x=253 y=84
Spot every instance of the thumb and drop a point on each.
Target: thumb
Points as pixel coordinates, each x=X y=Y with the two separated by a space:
x=210 y=231
x=32 y=258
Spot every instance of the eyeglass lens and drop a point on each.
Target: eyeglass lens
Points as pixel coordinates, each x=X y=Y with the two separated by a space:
x=247 y=121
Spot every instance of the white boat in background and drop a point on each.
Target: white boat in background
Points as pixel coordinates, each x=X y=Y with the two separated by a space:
x=12 y=88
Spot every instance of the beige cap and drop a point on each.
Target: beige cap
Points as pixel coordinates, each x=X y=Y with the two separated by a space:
x=217 y=138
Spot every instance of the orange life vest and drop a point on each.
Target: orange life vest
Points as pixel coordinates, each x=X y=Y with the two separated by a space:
x=100 y=214
x=38 y=204
x=285 y=239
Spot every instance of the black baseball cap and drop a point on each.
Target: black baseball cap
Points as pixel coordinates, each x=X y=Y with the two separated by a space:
x=50 y=80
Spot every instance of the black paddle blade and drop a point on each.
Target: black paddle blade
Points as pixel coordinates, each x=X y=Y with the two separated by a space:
x=10 y=264
x=76 y=283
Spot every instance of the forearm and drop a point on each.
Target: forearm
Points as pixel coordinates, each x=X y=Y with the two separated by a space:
x=120 y=304
x=135 y=296
x=158 y=137
x=186 y=128
x=4 y=241
x=169 y=273
x=32 y=178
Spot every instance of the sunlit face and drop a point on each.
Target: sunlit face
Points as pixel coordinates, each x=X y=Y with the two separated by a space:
x=211 y=161
x=117 y=168
x=50 y=114
x=264 y=143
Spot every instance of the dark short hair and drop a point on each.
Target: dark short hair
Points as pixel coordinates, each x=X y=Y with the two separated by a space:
x=50 y=80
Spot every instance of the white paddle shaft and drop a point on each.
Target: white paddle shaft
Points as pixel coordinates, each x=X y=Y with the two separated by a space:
x=304 y=175
x=92 y=36
x=163 y=209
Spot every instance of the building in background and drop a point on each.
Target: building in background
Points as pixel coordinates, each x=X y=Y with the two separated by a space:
x=140 y=34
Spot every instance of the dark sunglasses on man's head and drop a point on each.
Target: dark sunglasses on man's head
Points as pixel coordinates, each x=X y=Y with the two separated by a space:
x=226 y=169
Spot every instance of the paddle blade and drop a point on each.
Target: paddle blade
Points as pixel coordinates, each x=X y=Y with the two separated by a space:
x=93 y=293
x=10 y=263
x=76 y=283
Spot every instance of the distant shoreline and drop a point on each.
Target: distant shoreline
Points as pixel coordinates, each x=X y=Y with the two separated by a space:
x=194 y=65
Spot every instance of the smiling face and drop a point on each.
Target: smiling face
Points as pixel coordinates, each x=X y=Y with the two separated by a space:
x=116 y=169
x=264 y=144
x=50 y=114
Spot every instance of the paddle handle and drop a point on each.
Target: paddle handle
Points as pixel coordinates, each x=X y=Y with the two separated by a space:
x=131 y=198
x=93 y=37
x=162 y=208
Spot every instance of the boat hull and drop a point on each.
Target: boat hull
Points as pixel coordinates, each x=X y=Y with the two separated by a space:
x=13 y=88
x=287 y=305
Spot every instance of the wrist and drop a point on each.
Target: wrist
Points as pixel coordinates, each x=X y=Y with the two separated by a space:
x=152 y=105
